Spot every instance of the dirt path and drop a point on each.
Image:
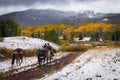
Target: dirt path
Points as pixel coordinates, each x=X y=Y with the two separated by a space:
x=39 y=72
x=94 y=64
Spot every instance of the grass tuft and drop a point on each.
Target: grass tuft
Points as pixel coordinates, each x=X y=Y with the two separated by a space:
x=74 y=48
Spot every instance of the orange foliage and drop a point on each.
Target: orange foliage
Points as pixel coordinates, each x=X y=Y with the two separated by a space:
x=94 y=27
x=68 y=29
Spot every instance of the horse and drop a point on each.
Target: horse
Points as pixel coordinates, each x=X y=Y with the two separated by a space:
x=17 y=56
x=44 y=55
x=41 y=55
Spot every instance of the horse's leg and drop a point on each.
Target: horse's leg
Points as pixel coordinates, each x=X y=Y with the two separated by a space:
x=16 y=62
x=47 y=60
x=44 y=59
x=19 y=62
x=50 y=59
x=12 y=62
x=21 y=59
x=39 y=60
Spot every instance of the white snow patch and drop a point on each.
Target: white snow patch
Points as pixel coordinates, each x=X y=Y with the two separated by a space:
x=90 y=16
x=24 y=43
x=86 y=39
x=96 y=64
x=105 y=19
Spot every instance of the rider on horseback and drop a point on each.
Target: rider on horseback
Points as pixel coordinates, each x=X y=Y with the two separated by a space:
x=45 y=46
x=48 y=47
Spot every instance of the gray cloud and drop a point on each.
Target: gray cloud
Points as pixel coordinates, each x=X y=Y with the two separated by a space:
x=7 y=6
x=31 y=2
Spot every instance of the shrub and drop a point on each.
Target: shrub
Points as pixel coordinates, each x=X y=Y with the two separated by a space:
x=29 y=53
x=64 y=42
x=74 y=48
x=1 y=74
x=6 y=52
x=1 y=39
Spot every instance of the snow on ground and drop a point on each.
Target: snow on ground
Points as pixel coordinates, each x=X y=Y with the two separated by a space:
x=24 y=43
x=6 y=65
x=95 y=64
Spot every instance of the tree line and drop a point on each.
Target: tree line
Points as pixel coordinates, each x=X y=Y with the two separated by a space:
x=52 y=32
x=9 y=28
x=97 y=31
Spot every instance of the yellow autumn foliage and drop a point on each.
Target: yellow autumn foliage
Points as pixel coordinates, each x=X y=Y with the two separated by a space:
x=68 y=29
x=94 y=27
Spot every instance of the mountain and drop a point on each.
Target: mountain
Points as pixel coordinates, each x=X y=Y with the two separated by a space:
x=113 y=17
x=44 y=16
x=36 y=17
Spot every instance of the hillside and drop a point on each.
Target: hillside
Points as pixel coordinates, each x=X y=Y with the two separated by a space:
x=24 y=43
x=45 y=16
x=96 y=64
x=37 y=17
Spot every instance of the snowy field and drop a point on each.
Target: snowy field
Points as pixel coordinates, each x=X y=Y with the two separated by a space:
x=27 y=62
x=101 y=63
x=95 y=64
x=24 y=43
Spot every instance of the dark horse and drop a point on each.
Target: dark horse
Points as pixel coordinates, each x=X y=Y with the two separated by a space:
x=45 y=55
x=17 y=56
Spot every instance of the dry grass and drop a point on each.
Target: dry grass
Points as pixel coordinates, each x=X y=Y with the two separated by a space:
x=29 y=53
x=101 y=43
x=74 y=48
x=7 y=52
x=64 y=42
x=1 y=39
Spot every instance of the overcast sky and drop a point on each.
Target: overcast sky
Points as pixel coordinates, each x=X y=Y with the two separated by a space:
x=107 y=6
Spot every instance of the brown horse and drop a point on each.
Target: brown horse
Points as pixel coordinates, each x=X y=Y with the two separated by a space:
x=17 y=56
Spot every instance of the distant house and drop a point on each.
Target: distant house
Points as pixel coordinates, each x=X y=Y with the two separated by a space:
x=84 y=39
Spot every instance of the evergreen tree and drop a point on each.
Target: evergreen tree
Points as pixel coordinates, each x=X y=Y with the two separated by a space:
x=52 y=36
x=80 y=36
x=116 y=36
x=9 y=28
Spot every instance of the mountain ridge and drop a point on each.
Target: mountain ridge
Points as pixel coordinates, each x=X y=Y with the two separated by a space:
x=34 y=17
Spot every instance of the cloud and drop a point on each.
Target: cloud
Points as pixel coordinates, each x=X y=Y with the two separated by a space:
x=111 y=6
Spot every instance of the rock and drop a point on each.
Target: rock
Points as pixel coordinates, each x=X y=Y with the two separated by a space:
x=98 y=76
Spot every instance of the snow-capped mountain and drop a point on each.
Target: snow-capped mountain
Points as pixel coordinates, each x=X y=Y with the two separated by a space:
x=44 y=16
x=89 y=14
